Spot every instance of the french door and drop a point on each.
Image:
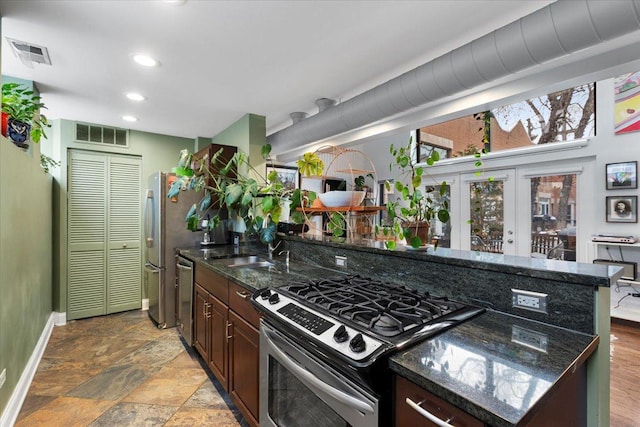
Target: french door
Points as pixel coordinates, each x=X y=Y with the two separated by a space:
x=529 y=211
x=487 y=219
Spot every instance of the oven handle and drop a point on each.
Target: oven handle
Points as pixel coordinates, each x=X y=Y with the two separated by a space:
x=428 y=415
x=313 y=381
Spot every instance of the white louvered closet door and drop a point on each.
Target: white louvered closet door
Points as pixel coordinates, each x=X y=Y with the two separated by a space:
x=104 y=262
x=124 y=227
x=87 y=235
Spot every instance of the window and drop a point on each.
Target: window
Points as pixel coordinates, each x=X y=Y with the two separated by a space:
x=559 y=116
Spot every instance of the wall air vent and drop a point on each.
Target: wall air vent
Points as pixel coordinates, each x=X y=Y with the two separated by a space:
x=102 y=135
x=29 y=52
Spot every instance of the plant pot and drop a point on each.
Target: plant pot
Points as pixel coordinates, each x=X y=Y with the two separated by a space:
x=285 y=213
x=16 y=131
x=419 y=229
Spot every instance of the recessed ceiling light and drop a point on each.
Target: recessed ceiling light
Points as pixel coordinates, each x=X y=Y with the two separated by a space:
x=129 y=119
x=135 y=96
x=145 y=60
x=175 y=1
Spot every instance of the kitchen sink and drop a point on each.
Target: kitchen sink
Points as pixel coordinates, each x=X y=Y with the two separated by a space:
x=252 y=261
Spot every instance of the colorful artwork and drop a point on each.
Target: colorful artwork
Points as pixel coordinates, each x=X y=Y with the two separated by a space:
x=627 y=104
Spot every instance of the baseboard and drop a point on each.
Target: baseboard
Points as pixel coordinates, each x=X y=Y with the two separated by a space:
x=16 y=400
x=60 y=319
x=145 y=303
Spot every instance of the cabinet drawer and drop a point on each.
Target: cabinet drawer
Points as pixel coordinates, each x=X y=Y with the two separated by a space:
x=405 y=415
x=214 y=283
x=240 y=302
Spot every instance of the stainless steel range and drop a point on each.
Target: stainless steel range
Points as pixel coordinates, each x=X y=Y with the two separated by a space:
x=324 y=346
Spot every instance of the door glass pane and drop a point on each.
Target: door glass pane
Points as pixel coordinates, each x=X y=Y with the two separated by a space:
x=487 y=216
x=553 y=217
x=441 y=231
x=291 y=403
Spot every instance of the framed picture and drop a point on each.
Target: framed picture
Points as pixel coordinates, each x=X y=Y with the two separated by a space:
x=288 y=175
x=622 y=209
x=622 y=176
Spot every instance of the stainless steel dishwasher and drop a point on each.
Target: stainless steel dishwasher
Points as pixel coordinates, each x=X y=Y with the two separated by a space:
x=184 y=297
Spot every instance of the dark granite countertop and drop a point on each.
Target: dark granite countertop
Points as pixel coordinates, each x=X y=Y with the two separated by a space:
x=479 y=367
x=569 y=271
x=476 y=366
x=279 y=274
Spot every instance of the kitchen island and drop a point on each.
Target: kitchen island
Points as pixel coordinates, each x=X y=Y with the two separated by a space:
x=503 y=345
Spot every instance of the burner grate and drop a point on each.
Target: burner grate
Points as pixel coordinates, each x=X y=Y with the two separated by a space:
x=383 y=308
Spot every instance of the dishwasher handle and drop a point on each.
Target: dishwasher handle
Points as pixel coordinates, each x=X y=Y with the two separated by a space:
x=184 y=267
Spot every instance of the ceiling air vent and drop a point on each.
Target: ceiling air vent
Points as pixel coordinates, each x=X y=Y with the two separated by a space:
x=101 y=135
x=29 y=52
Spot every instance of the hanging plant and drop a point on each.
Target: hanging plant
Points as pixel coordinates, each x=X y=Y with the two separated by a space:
x=20 y=104
x=22 y=119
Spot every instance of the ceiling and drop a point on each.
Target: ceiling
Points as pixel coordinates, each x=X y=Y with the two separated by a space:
x=222 y=59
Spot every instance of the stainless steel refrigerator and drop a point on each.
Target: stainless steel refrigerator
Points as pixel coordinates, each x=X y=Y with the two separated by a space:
x=165 y=230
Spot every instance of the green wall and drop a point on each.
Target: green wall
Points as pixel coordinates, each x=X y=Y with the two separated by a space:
x=25 y=258
x=249 y=134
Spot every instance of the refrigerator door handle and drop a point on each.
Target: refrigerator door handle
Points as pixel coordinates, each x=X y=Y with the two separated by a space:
x=150 y=218
x=152 y=268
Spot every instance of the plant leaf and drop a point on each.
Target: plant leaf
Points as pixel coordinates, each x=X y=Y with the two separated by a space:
x=191 y=212
x=206 y=201
x=265 y=150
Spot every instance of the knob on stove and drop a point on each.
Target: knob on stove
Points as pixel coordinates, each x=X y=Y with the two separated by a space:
x=341 y=334
x=357 y=344
x=265 y=294
x=274 y=298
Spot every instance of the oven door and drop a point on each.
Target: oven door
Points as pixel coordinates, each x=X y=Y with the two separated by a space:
x=298 y=390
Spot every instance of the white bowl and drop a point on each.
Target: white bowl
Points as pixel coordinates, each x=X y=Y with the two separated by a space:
x=338 y=199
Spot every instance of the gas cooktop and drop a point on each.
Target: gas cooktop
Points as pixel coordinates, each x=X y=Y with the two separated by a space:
x=360 y=318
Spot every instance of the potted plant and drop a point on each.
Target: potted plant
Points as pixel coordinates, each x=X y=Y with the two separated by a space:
x=253 y=202
x=410 y=215
x=21 y=115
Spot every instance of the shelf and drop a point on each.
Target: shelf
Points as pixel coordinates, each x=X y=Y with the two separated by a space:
x=355 y=209
x=627 y=282
x=631 y=245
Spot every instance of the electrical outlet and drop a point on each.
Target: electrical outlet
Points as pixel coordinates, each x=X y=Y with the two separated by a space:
x=3 y=377
x=528 y=338
x=341 y=261
x=528 y=300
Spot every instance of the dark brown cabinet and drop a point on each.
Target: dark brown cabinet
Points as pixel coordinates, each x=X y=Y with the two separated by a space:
x=406 y=415
x=209 y=151
x=565 y=405
x=218 y=359
x=201 y=319
x=227 y=337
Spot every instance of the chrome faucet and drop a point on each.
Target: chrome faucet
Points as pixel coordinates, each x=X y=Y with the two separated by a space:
x=286 y=261
x=272 y=248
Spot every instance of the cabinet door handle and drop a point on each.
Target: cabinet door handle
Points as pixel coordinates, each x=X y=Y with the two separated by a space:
x=205 y=311
x=243 y=295
x=428 y=415
x=227 y=331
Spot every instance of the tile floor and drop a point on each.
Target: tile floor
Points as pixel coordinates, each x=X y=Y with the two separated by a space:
x=120 y=370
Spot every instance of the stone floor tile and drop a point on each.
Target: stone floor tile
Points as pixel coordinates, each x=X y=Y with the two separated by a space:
x=155 y=353
x=58 y=377
x=121 y=370
x=32 y=403
x=189 y=417
x=207 y=396
x=135 y=415
x=171 y=390
x=186 y=359
x=66 y=412
x=112 y=383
